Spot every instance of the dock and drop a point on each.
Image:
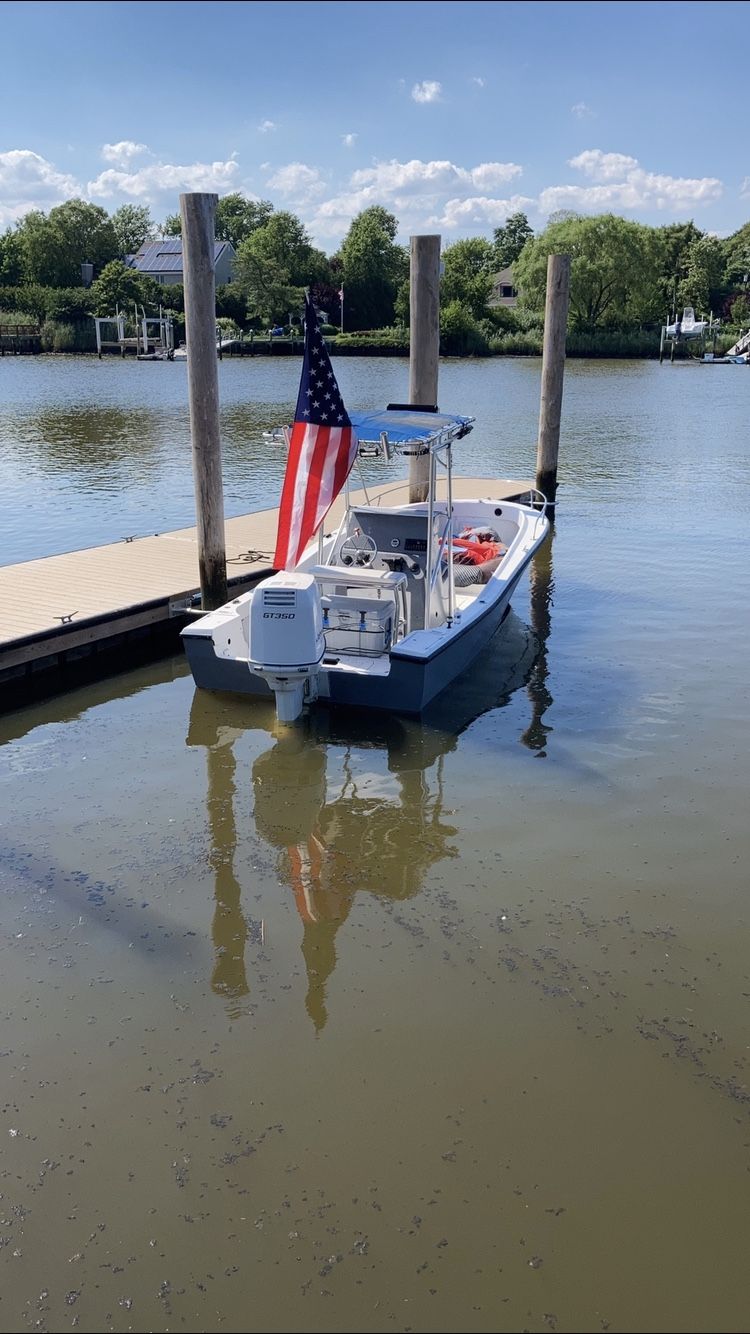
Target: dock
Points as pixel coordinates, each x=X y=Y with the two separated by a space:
x=87 y=614
x=16 y=339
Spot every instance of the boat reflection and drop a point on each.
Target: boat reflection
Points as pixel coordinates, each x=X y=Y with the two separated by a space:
x=358 y=841
x=348 y=831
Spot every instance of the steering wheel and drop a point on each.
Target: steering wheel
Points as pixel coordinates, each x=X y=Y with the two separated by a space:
x=359 y=549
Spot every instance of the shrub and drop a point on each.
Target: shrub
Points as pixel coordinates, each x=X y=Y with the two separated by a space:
x=395 y=340
x=16 y=317
x=68 y=305
x=48 y=336
x=65 y=337
x=514 y=319
x=517 y=344
x=741 y=311
x=614 y=343
x=460 y=334
x=31 y=300
x=230 y=304
x=171 y=296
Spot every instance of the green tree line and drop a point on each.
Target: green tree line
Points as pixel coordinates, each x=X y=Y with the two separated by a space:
x=625 y=276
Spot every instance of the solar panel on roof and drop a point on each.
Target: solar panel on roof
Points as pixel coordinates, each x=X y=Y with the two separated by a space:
x=165 y=255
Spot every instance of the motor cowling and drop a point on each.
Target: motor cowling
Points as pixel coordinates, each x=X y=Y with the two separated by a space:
x=286 y=640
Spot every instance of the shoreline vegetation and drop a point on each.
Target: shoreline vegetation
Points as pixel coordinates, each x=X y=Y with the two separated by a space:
x=17 y=336
x=627 y=280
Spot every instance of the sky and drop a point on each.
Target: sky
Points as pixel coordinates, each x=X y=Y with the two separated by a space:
x=451 y=115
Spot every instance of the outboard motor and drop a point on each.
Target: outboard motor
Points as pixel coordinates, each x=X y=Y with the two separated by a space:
x=286 y=640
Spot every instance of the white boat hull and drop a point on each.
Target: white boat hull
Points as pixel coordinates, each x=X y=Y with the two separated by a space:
x=410 y=685
x=405 y=680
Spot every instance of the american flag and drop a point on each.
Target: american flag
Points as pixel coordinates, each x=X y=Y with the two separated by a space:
x=322 y=450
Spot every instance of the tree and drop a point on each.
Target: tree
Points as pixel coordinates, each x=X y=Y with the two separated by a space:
x=42 y=257
x=373 y=268
x=615 y=270
x=265 y=285
x=118 y=285
x=702 y=285
x=55 y=245
x=273 y=265
x=467 y=275
x=674 y=241
x=132 y=225
x=402 y=302
x=284 y=242
x=737 y=260
x=237 y=217
x=11 y=259
x=460 y=335
x=510 y=240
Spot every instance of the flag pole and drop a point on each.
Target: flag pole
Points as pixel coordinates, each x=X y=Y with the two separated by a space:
x=341 y=294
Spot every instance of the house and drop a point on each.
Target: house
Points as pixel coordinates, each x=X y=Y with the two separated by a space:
x=503 y=292
x=162 y=260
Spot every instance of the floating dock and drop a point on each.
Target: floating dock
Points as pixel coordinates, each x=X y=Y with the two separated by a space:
x=86 y=614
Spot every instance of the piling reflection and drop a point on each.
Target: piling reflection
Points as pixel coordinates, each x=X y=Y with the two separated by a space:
x=541 y=588
x=337 y=828
x=229 y=929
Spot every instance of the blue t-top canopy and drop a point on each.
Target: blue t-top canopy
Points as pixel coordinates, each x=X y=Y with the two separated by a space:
x=402 y=425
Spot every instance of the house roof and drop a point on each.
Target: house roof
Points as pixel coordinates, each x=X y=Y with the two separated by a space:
x=165 y=255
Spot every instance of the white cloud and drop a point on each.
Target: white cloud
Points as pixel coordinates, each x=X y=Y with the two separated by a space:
x=427 y=91
x=490 y=174
x=419 y=193
x=389 y=178
x=582 y=111
x=297 y=181
x=29 y=181
x=622 y=184
x=349 y=140
x=603 y=166
x=745 y=188
x=160 y=178
x=478 y=80
x=266 y=126
x=124 y=153
x=479 y=211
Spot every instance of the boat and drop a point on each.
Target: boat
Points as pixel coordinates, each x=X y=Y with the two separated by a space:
x=739 y=359
x=686 y=326
x=388 y=608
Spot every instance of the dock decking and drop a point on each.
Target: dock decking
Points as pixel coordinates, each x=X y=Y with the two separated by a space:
x=61 y=608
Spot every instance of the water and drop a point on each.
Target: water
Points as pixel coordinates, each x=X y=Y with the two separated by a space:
x=387 y=1025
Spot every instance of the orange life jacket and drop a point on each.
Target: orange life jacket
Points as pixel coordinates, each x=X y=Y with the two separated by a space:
x=476 y=553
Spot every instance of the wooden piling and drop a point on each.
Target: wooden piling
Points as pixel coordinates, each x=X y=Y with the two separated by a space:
x=424 y=344
x=198 y=212
x=553 y=370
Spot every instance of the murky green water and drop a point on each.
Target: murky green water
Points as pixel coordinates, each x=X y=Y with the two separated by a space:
x=381 y=1025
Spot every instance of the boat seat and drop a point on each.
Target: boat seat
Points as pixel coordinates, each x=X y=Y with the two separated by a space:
x=357 y=576
x=400 y=535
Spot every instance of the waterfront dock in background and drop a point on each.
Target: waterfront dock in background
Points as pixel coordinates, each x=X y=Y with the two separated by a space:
x=16 y=339
x=89 y=613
